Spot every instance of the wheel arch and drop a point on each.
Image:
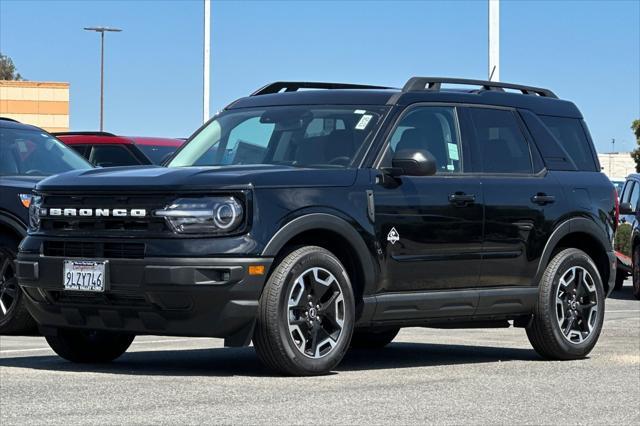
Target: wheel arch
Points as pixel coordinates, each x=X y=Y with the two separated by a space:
x=583 y=234
x=11 y=227
x=334 y=234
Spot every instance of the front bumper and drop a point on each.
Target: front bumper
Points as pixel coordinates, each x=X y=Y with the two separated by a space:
x=163 y=296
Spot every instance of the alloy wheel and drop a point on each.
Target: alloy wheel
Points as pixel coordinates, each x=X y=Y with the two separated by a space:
x=316 y=312
x=576 y=304
x=8 y=286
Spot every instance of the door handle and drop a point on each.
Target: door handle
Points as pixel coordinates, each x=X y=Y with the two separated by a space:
x=461 y=199
x=543 y=199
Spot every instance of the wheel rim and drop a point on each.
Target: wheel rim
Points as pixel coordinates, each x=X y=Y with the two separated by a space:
x=316 y=313
x=8 y=286
x=577 y=305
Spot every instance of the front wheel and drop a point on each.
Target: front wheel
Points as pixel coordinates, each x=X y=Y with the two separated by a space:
x=306 y=314
x=569 y=313
x=87 y=346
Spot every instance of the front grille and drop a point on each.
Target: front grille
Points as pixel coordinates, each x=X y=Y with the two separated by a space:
x=109 y=250
x=110 y=225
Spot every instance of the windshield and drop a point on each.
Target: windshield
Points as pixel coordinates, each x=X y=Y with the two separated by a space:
x=157 y=153
x=25 y=152
x=299 y=136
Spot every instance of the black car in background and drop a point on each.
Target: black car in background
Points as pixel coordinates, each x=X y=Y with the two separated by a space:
x=27 y=154
x=627 y=242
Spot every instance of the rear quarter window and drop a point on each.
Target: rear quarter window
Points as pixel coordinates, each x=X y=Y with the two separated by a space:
x=570 y=134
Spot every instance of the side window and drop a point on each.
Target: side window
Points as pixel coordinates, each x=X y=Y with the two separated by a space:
x=80 y=149
x=626 y=190
x=112 y=155
x=570 y=134
x=500 y=141
x=635 y=197
x=434 y=129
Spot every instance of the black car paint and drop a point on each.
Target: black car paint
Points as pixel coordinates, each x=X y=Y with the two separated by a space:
x=484 y=258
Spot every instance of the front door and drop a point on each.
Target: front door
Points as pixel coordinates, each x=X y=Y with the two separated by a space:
x=429 y=228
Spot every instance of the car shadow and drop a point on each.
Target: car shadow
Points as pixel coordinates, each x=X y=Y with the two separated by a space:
x=244 y=361
x=625 y=293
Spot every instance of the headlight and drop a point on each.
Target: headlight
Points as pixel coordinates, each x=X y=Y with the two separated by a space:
x=211 y=215
x=34 y=213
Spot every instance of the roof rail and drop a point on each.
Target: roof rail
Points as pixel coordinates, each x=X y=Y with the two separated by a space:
x=9 y=119
x=86 y=133
x=435 y=83
x=293 y=86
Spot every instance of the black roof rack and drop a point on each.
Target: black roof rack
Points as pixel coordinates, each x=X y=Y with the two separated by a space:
x=9 y=119
x=87 y=133
x=435 y=83
x=292 y=86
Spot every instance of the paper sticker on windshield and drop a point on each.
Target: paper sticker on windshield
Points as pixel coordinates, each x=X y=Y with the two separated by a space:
x=362 y=124
x=359 y=111
x=453 y=151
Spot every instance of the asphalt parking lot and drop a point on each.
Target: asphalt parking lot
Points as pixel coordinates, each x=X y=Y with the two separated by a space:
x=426 y=375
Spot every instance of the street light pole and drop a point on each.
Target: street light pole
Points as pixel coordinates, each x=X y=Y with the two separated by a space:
x=102 y=30
x=494 y=40
x=206 y=60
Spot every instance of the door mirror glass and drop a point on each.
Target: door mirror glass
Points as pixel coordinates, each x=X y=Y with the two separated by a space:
x=410 y=162
x=625 y=208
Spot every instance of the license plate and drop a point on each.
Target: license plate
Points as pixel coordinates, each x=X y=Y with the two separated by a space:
x=84 y=275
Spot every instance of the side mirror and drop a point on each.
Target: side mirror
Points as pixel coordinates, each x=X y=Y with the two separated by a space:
x=410 y=162
x=625 y=208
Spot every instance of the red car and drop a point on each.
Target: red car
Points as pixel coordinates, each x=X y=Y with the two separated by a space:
x=107 y=150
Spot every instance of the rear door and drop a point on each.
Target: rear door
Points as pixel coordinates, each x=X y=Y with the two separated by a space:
x=520 y=198
x=429 y=228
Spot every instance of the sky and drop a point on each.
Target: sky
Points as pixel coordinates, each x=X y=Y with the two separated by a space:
x=585 y=51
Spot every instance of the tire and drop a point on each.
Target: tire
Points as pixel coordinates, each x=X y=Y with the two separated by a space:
x=621 y=276
x=14 y=318
x=545 y=333
x=286 y=324
x=86 y=346
x=373 y=338
x=636 y=272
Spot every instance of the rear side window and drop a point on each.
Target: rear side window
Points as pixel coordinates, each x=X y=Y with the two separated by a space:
x=571 y=136
x=500 y=140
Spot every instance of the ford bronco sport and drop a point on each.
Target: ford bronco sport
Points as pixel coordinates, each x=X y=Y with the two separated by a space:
x=310 y=221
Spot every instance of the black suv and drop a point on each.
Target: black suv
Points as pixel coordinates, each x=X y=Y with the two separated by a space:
x=627 y=240
x=27 y=154
x=309 y=221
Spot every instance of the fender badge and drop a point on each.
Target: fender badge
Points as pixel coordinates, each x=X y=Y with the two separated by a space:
x=393 y=236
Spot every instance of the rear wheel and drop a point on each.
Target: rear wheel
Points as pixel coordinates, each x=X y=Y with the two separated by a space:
x=87 y=346
x=373 y=338
x=14 y=317
x=636 y=272
x=569 y=312
x=306 y=314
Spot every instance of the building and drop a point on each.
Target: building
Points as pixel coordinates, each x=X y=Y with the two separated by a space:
x=617 y=165
x=43 y=104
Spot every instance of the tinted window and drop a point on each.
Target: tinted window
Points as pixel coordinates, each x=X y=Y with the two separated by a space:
x=35 y=153
x=500 y=141
x=112 y=155
x=433 y=129
x=80 y=149
x=571 y=136
x=635 y=196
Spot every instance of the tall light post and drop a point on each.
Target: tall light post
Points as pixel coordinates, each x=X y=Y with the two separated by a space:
x=102 y=30
x=206 y=60
x=494 y=40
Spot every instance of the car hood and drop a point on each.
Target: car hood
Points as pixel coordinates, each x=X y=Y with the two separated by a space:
x=20 y=182
x=150 y=178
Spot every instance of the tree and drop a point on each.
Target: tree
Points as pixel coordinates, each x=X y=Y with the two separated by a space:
x=635 y=126
x=7 y=69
